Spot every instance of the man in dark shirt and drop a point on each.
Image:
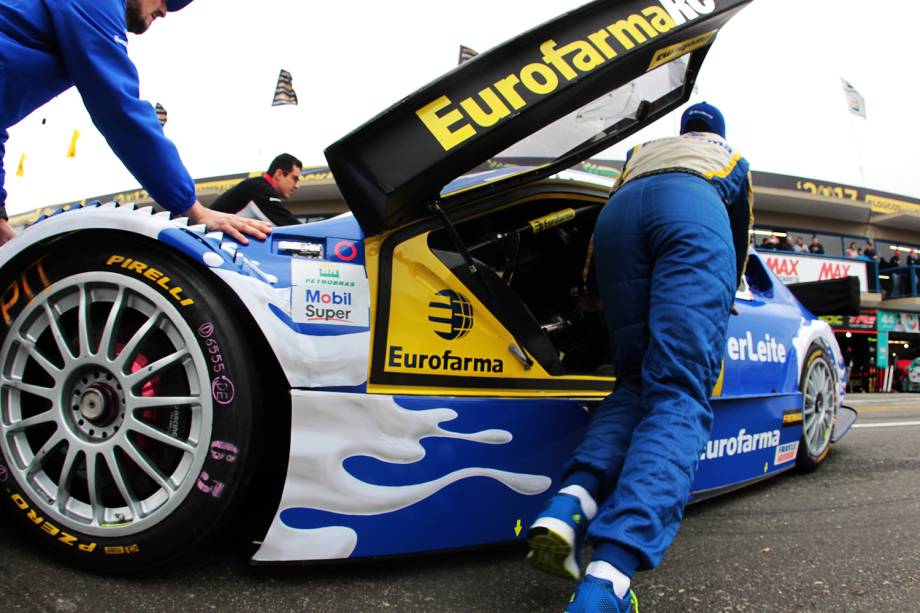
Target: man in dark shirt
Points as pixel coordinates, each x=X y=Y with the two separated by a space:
x=815 y=246
x=267 y=192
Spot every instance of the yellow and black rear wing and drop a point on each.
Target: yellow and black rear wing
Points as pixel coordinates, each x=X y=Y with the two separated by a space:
x=585 y=66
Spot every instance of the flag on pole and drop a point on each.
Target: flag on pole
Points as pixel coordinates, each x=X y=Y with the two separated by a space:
x=466 y=54
x=161 y=114
x=22 y=166
x=284 y=91
x=855 y=102
x=72 y=150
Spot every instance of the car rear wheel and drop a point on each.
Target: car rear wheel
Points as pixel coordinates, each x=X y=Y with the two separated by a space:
x=126 y=420
x=819 y=409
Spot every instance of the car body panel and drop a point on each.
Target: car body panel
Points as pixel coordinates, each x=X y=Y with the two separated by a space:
x=473 y=439
x=311 y=354
x=380 y=475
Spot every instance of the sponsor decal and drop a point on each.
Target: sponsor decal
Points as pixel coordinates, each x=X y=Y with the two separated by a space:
x=740 y=444
x=120 y=550
x=552 y=220
x=152 y=274
x=49 y=528
x=744 y=349
x=864 y=321
x=668 y=54
x=345 y=251
x=451 y=123
x=329 y=293
x=210 y=486
x=221 y=450
x=222 y=390
x=785 y=453
x=32 y=278
x=446 y=362
x=451 y=313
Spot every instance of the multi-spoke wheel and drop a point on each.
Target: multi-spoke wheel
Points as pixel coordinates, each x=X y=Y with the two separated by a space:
x=125 y=407
x=819 y=410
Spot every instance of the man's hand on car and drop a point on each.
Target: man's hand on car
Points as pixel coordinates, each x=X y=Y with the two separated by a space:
x=233 y=226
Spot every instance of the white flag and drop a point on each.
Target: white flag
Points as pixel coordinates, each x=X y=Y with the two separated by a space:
x=855 y=102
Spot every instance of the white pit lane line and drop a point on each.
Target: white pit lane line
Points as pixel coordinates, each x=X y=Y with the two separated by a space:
x=887 y=424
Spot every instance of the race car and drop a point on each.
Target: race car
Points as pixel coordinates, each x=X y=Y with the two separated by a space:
x=406 y=378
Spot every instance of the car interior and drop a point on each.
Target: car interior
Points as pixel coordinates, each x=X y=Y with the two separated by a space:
x=529 y=262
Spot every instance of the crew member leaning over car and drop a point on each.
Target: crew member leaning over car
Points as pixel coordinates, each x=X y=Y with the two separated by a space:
x=267 y=192
x=669 y=250
x=47 y=46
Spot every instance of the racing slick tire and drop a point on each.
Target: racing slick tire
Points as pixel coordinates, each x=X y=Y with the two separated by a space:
x=127 y=429
x=818 y=384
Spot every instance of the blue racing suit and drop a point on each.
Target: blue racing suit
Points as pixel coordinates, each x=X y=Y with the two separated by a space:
x=669 y=249
x=46 y=46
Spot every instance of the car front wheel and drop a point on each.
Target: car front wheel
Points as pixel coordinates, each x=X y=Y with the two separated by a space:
x=126 y=421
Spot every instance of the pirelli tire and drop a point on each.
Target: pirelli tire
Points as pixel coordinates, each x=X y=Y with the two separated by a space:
x=127 y=425
x=820 y=400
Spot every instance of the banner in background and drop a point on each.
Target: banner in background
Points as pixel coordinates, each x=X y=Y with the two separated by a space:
x=284 y=90
x=792 y=267
x=161 y=114
x=855 y=101
x=882 y=355
x=72 y=150
x=890 y=321
x=466 y=54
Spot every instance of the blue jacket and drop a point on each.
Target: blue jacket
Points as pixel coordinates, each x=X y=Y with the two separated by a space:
x=708 y=156
x=46 y=46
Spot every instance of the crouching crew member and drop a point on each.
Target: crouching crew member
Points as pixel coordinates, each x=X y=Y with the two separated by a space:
x=669 y=250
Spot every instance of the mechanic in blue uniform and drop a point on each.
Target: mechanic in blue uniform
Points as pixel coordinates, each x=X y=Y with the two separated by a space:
x=669 y=250
x=46 y=46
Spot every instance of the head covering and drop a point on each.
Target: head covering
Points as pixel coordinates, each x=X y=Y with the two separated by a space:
x=175 y=5
x=705 y=113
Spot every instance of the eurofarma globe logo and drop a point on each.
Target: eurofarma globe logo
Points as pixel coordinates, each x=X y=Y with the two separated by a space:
x=451 y=313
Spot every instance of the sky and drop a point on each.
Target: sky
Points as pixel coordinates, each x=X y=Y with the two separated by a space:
x=774 y=71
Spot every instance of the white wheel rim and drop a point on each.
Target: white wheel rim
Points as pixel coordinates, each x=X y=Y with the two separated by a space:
x=93 y=460
x=820 y=407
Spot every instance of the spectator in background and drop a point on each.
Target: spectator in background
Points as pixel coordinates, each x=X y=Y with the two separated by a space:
x=815 y=246
x=853 y=250
x=912 y=260
x=267 y=192
x=894 y=278
x=869 y=251
x=800 y=245
x=765 y=243
x=783 y=244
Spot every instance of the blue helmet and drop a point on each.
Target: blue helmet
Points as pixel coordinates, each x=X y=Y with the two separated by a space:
x=175 y=5
x=705 y=114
